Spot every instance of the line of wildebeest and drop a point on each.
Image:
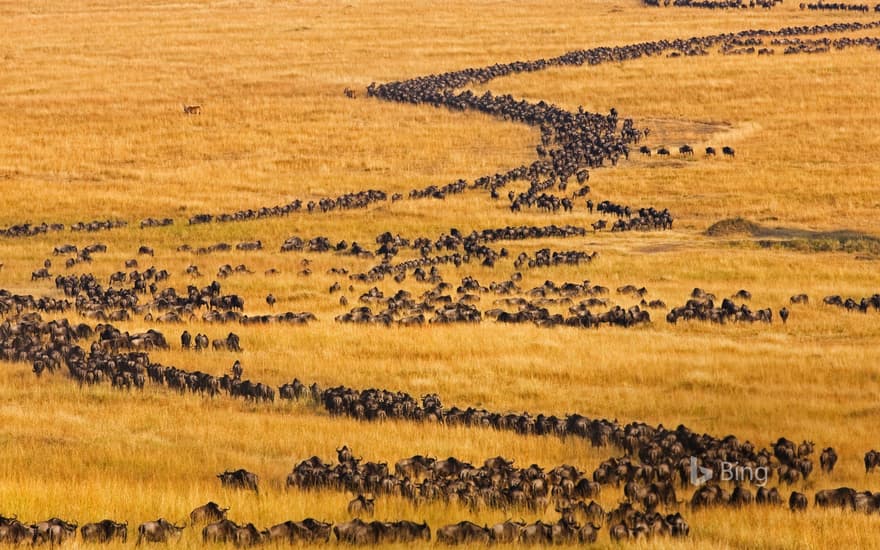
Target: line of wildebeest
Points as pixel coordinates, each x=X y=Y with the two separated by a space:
x=571 y=142
x=654 y=458
x=713 y=4
x=443 y=303
x=127 y=293
x=30 y=230
x=838 y=6
x=648 y=483
x=356 y=531
x=54 y=344
x=401 y=308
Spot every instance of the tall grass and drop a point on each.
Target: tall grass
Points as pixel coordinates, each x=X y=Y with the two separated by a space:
x=91 y=128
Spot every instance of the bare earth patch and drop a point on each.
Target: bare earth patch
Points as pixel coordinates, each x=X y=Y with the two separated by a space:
x=675 y=132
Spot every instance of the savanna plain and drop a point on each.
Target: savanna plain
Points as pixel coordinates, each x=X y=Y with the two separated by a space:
x=92 y=128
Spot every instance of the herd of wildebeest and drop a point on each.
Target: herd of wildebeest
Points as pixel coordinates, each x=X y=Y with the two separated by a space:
x=572 y=143
x=143 y=294
x=652 y=463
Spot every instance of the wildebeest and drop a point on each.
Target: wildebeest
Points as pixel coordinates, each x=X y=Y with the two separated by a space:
x=805 y=449
x=828 y=459
x=13 y=531
x=157 y=531
x=846 y=498
x=768 y=496
x=355 y=532
x=741 y=496
x=104 y=531
x=686 y=150
x=201 y=341
x=866 y=502
x=361 y=505
x=185 y=339
x=710 y=151
x=563 y=532
x=533 y=533
x=192 y=109
x=307 y=530
x=728 y=151
x=415 y=467
x=239 y=479
x=842 y=497
x=293 y=390
x=54 y=531
x=410 y=531
x=783 y=314
x=872 y=460
x=591 y=512
x=743 y=294
x=798 y=501
x=65 y=249
x=507 y=531
x=230 y=343
x=208 y=512
x=249 y=390
x=233 y=342
x=638 y=525
x=344 y=455
x=800 y=299
x=223 y=530
x=463 y=532
x=834 y=300
x=248 y=535
x=709 y=495
x=618 y=532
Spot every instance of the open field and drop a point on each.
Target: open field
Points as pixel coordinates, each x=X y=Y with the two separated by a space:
x=92 y=128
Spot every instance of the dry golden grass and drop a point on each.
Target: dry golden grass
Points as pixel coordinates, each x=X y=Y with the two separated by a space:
x=91 y=128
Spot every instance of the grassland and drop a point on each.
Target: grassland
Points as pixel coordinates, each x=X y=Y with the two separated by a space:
x=91 y=128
